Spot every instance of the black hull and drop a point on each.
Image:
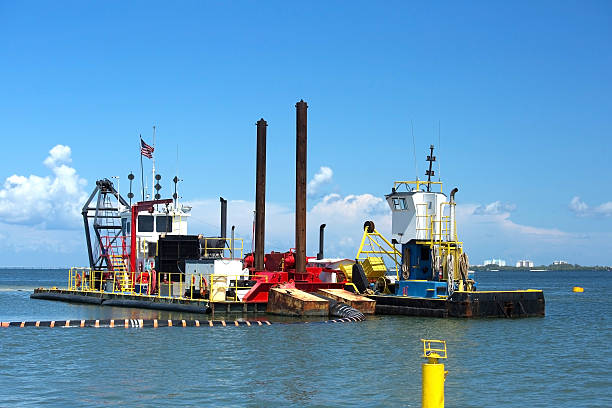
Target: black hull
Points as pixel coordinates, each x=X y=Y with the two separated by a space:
x=147 y=302
x=507 y=304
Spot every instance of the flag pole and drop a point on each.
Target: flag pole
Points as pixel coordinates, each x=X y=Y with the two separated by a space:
x=141 y=175
x=153 y=176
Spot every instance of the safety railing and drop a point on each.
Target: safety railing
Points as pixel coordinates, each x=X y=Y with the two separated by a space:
x=115 y=249
x=87 y=279
x=79 y=278
x=446 y=249
x=423 y=222
x=223 y=247
x=417 y=183
x=434 y=348
x=210 y=287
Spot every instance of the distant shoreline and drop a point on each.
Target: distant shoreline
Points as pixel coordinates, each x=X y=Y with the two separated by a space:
x=540 y=268
x=35 y=267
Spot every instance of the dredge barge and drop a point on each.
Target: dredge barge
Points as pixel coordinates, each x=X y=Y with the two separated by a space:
x=431 y=274
x=141 y=255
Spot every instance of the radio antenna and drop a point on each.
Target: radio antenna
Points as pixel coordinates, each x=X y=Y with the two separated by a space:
x=439 y=175
x=153 y=170
x=416 y=165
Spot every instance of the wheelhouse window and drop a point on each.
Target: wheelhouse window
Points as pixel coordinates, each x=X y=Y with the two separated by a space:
x=145 y=223
x=125 y=226
x=399 y=203
x=163 y=223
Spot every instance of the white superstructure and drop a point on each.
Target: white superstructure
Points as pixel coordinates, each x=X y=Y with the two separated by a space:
x=151 y=225
x=412 y=213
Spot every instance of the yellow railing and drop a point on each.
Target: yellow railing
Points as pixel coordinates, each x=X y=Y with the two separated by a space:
x=434 y=348
x=210 y=287
x=226 y=250
x=417 y=183
x=423 y=221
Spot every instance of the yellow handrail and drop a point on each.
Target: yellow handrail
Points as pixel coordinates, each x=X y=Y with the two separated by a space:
x=226 y=249
x=417 y=183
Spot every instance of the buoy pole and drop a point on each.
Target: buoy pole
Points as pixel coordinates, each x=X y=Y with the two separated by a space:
x=433 y=374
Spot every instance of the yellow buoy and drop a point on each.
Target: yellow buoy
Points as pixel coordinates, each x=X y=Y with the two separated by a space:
x=433 y=374
x=578 y=289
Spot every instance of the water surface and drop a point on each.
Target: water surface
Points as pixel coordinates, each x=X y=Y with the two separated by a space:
x=561 y=360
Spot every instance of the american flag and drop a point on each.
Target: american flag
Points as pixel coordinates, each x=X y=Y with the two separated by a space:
x=146 y=150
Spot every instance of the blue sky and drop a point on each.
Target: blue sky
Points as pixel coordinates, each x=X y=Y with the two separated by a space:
x=521 y=91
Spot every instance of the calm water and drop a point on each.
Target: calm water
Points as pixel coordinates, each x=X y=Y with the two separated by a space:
x=562 y=360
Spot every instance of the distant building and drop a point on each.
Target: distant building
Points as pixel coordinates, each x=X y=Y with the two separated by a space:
x=498 y=262
x=559 y=263
x=524 y=263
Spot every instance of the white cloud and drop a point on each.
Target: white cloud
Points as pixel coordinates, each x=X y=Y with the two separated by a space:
x=498 y=214
x=323 y=176
x=497 y=235
x=494 y=208
x=604 y=209
x=343 y=215
x=58 y=155
x=52 y=201
x=487 y=229
x=582 y=209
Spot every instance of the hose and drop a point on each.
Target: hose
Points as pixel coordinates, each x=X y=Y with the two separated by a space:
x=464 y=266
x=339 y=309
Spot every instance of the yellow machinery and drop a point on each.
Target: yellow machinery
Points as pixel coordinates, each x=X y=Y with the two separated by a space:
x=371 y=251
x=433 y=374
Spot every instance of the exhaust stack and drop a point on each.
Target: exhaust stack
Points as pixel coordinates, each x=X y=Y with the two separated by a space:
x=300 y=187
x=223 y=233
x=452 y=233
x=260 y=195
x=232 y=243
x=321 y=236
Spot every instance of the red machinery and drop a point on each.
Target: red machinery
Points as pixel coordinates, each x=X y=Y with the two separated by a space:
x=279 y=270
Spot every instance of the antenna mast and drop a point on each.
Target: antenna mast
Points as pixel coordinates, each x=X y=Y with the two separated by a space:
x=176 y=180
x=439 y=146
x=416 y=165
x=431 y=158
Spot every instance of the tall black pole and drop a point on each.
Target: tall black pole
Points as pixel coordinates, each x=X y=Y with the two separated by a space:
x=260 y=195
x=300 y=187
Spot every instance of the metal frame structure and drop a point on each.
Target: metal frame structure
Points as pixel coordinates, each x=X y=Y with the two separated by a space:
x=105 y=217
x=376 y=248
